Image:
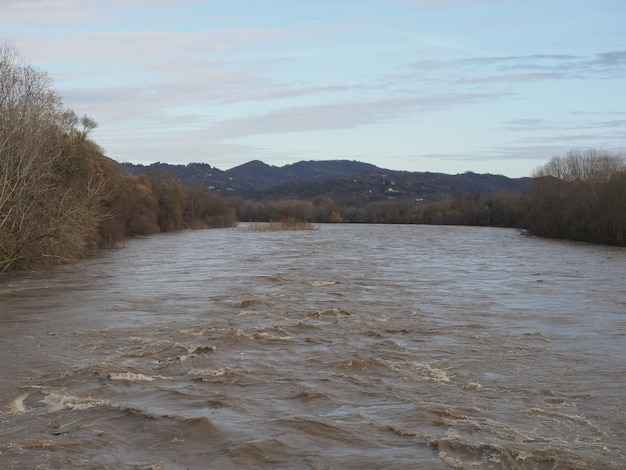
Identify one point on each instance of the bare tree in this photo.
(580, 197)
(41, 216)
(583, 165)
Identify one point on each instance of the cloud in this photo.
(525, 125)
(196, 80)
(543, 125)
(585, 133)
(528, 68)
(33, 11)
(70, 12)
(184, 148)
(144, 48)
(514, 78)
(612, 58)
(343, 115)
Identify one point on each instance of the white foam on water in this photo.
(322, 283)
(17, 404)
(472, 386)
(432, 373)
(63, 400)
(195, 348)
(135, 377)
(200, 373)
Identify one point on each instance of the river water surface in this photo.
(346, 347)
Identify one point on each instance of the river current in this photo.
(345, 347)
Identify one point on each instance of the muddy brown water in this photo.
(346, 347)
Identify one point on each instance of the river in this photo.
(345, 347)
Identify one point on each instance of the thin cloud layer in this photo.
(479, 85)
(344, 115)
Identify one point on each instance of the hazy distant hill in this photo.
(349, 182)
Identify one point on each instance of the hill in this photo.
(348, 182)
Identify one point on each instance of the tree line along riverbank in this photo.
(61, 197)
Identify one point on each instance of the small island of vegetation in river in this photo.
(61, 197)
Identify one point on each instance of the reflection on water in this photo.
(345, 347)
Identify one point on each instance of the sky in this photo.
(489, 86)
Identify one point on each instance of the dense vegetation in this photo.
(581, 197)
(61, 197)
(502, 210)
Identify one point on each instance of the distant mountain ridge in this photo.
(348, 182)
(257, 175)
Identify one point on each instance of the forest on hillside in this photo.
(580, 196)
(61, 197)
(349, 182)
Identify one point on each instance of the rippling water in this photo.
(347, 347)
